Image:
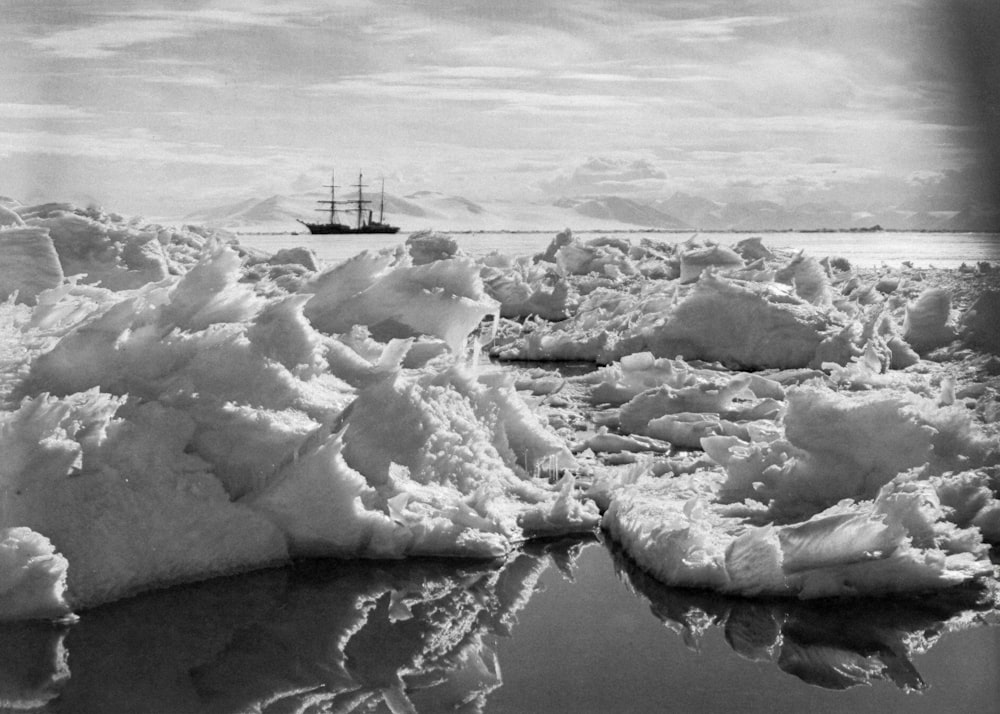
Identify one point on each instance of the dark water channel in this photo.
(560, 627)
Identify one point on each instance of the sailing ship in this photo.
(365, 222)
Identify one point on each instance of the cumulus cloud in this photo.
(607, 175)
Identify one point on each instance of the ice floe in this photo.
(762, 423)
(205, 423)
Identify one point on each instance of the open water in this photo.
(566, 626)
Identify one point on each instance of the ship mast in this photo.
(361, 202)
(332, 201)
(381, 206)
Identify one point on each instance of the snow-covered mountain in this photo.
(281, 213)
(623, 210)
(250, 212)
(679, 212)
(418, 211)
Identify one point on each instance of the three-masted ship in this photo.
(364, 223)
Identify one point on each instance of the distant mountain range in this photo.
(416, 211)
(680, 212)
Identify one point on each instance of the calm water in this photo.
(942, 250)
(560, 627)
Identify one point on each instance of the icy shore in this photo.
(176, 406)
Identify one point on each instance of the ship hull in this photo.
(341, 229)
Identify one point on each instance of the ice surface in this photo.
(103, 250)
(899, 542)
(786, 446)
(397, 299)
(119, 498)
(203, 423)
(813, 485)
(847, 446)
(188, 408)
(697, 260)
(30, 264)
(8, 217)
(700, 314)
(742, 325)
(525, 288)
(829, 643)
(927, 320)
(426, 247)
(981, 322)
(33, 576)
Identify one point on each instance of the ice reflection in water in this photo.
(413, 636)
(337, 636)
(33, 664)
(830, 643)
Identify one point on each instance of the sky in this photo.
(159, 108)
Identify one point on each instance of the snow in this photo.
(747, 323)
(525, 288)
(397, 299)
(201, 424)
(898, 542)
(34, 576)
(30, 264)
(847, 446)
(926, 324)
(176, 406)
(981, 322)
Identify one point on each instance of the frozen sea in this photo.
(601, 638)
(891, 248)
(566, 626)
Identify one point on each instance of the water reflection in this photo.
(834, 644)
(423, 636)
(330, 636)
(33, 664)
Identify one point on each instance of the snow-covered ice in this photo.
(176, 406)
(201, 424)
(820, 472)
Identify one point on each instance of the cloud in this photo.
(481, 73)
(108, 38)
(476, 96)
(490, 85)
(10, 110)
(134, 146)
(705, 29)
(110, 33)
(595, 77)
(606, 175)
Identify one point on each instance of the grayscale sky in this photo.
(152, 106)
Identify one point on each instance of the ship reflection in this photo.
(832, 643)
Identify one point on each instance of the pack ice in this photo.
(773, 425)
(176, 407)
